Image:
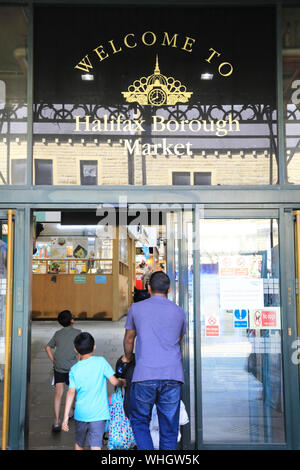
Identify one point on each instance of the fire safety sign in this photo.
(212, 325)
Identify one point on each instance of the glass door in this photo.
(180, 250)
(239, 331)
(6, 286)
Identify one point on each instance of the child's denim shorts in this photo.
(93, 431)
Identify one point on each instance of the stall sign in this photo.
(100, 279)
(79, 279)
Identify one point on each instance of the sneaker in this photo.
(56, 427)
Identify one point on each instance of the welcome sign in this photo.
(149, 95)
(155, 90)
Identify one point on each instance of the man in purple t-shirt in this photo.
(158, 325)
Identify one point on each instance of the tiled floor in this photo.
(233, 407)
(109, 343)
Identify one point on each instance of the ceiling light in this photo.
(75, 227)
(87, 77)
(207, 76)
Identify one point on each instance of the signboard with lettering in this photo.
(267, 318)
(79, 279)
(241, 293)
(212, 325)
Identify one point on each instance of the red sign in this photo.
(268, 318)
(265, 319)
(212, 327)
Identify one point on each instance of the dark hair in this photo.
(159, 282)
(65, 317)
(84, 343)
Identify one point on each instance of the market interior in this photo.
(96, 270)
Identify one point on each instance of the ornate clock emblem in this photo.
(157, 90)
(157, 97)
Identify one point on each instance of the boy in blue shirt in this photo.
(87, 378)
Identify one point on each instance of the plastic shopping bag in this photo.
(120, 434)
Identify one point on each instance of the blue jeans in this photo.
(166, 395)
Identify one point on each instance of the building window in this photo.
(181, 178)
(202, 178)
(88, 172)
(186, 178)
(43, 171)
(18, 171)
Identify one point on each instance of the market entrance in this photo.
(96, 264)
(224, 267)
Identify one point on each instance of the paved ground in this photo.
(109, 339)
(233, 407)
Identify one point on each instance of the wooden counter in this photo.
(90, 300)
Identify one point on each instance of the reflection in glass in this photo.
(291, 91)
(13, 94)
(221, 131)
(3, 267)
(190, 274)
(242, 386)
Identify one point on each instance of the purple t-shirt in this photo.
(159, 324)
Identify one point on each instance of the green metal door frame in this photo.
(22, 317)
(186, 217)
(21, 329)
(19, 349)
(289, 323)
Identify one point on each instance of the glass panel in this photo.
(291, 91)
(3, 266)
(242, 385)
(13, 93)
(140, 102)
(188, 229)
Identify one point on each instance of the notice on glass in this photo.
(212, 325)
(245, 293)
(240, 266)
(267, 318)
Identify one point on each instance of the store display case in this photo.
(71, 266)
